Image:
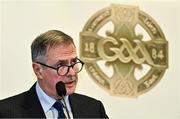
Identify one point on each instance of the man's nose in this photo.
(71, 71)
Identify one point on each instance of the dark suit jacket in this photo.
(27, 105)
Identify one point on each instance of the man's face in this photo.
(57, 56)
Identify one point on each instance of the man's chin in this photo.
(70, 90)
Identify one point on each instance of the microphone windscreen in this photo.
(60, 88)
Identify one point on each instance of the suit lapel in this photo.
(76, 106)
(32, 106)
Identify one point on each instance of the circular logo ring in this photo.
(114, 59)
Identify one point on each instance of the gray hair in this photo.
(47, 40)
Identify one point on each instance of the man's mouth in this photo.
(70, 83)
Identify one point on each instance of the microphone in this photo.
(60, 88)
(61, 91)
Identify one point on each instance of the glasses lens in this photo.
(63, 70)
(77, 67)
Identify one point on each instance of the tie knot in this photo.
(58, 105)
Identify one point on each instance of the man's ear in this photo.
(37, 70)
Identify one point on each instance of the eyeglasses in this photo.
(64, 69)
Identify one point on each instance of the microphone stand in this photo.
(65, 107)
(61, 91)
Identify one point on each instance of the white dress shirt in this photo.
(47, 104)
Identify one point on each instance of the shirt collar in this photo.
(45, 100)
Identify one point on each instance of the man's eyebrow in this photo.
(65, 61)
(60, 62)
(74, 59)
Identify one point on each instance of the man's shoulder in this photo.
(84, 98)
(19, 98)
(14, 99)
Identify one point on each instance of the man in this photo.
(54, 59)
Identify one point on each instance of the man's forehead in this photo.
(62, 54)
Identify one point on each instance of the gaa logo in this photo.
(124, 49)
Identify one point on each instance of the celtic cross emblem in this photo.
(114, 59)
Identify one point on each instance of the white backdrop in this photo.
(21, 21)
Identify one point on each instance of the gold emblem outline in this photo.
(96, 22)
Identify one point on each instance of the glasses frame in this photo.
(69, 66)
